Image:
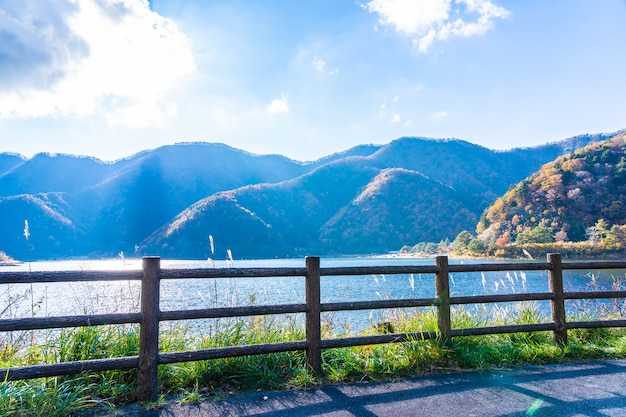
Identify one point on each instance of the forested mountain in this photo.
(478, 174)
(264, 220)
(371, 198)
(53, 173)
(8, 161)
(53, 234)
(397, 206)
(565, 199)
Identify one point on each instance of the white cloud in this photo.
(278, 105)
(409, 16)
(121, 60)
(387, 110)
(427, 21)
(440, 115)
(320, 67)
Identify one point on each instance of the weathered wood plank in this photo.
(442, 287)
(230, 352)
(513, 328)
(149, 331)
(579, 295)
(595, 324)
(231, 273)
(555, 284)
(67, 276)
(493, 267)
(377, 304)
(313, 316)
(594, 265)
(378, 270)
(38, 323)
(377, 339)
(501, 298)
(69, 368)
(221, 312)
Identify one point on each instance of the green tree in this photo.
(540, 234)
(615, 237)
(602, 229)
(461, 241)
(476, 246)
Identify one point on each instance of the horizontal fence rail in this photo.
(150, 315)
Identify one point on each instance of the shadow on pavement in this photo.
(595, 389)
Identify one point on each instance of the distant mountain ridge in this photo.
(166, 201)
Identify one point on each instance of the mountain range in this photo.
(168, 201)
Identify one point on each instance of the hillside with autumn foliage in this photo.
(578, 198)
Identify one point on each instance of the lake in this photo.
(52, 299)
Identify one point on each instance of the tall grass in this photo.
(193, 381)
(60, 396)
(50, 397)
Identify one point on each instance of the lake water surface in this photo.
(52, 299)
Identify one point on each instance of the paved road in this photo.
(595, 389)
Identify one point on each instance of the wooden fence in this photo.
(151, 315)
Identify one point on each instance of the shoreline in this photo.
(565, 256)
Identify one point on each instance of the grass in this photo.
(195, 381)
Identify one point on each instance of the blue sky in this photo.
(306, 78)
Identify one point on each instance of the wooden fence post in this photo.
(149, 330)
(555, 280)
(313, 319)
(442, 285)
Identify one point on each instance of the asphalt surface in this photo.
(595, 389)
